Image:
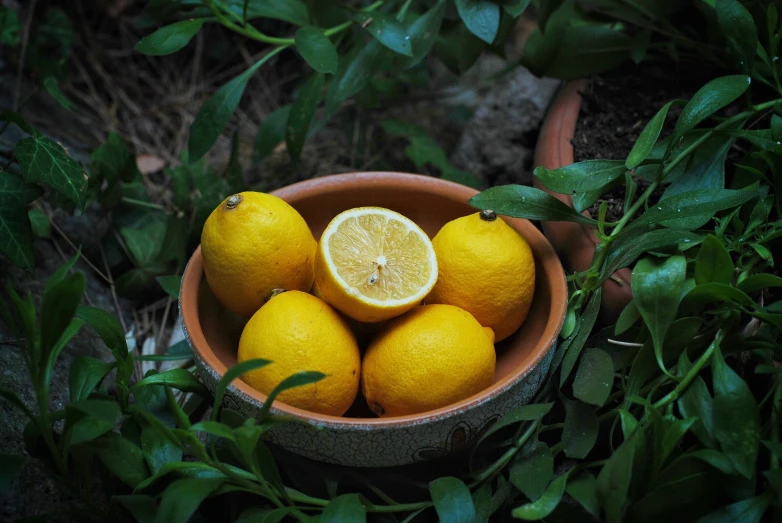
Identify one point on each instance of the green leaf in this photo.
(230, 375)
(736, 420)
(59, 305)
(358, 73)
(215, 429)
(515, 7)
(386, 30)
(16, 193)
(648, 137)
(716, 459)
(580, 431)
(627, 318)
(696, 402)
(582, 176)
(583, 488)
(693, 203)
(594, 377)
(293, 11)
(657, 288)
(452, 500)
(10, 465)
(714, 292)
(316, 48)
(254, 515)
(574, 350)
(346, 508)
(45, 161)
(9, 26)
(52, 87)
(746, 511)
(146, 242)
(98, 417)
(170, 284)
(141, 506)
(481, 17)
(533, 470)
(14, 400)
(524, 413)
(756, 282)
(39, 223)
(183, 497)
(738, 27)
(545, 504)
(122, 458)
(296, 380)
(520, 201)
(108, 328)
(271, 133)
(157, 449)
(481, 499)
(180, 379)
(85, 374)
(423, 33)
(640, 45)
(613, 482)
(16, 235)
(713, 263)
(301, 114)
(114, 160)
(170, 38)
(214, 115)
(709, 99)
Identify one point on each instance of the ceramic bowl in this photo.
(359, 438)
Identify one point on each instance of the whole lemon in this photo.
(487, 269)
(253, 243)
(428, 358)
(299, 332)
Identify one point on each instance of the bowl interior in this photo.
(430, 203)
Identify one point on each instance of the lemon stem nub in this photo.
(377, 409)
(488, 215)
(277, 291)
(233, 201)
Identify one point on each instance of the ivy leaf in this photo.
(657, 288)
(39, 223)
(713, 263)
(423, 33)
(183, 497)
(594, 377)
(452, 500)
(582, 176)
(736, 420)
(648, 137)
(317, 49)
(52, 87)
(386, 30)
(171, 38)
(45, 161)
(481, 17)
(170, 284)
(271, 132)
(533, 470)
(545, 504)
(16, 235)
(580, 431)
(739, 30)
(301, 114)
(346, 508)
(520, 201)
(85, 374)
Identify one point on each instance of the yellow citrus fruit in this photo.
(487, 269)
(253, 243)
(299, 332)
(431, 357)
(364, 332)
(373, 264)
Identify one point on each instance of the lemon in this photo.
(253, 243)
(373, 264)
(299, 332)
(487, 269)
(431, 357)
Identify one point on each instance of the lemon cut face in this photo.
(374, 263)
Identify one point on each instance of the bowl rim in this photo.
(194, 271)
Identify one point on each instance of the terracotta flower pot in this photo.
(574, 241)
(360, 439)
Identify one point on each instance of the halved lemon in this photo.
(373, 264)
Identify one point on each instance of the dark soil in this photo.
(616, 107)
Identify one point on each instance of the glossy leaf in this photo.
(582, 176)
(520, 201)
(170, 38)
(158, 450)
(738, 27)
(696, 402)
(296, 380)
(301, 113)
(581, 429)
(346, 508)
(386, 30)
(693, 203)
(85, 374)
(122, 458)
(588, 320)
(423, 32)
(713, 263)
(230, 375)
(183, 497)
(317, 49)
(627, 318)
(613, 482)
(533, 470)
(648, 137)
(745, 511)
(715, 292)
(179, 379)
(452, 500)
(673, 434)
(594, 377)
(215, 429)
(481, 17)
(756, 282)
(545, 504)
(45, 161)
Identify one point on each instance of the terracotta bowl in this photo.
(575, 241)
(360, 439)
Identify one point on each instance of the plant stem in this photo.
(691, 375)
(142, 203)
(498, 465)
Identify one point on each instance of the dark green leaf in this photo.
(736, 420)
(183, 497)
(61, 272)
(157, 449)
(86, 373)
(594, 377)
(738, 27)
(657, 288)
(481, 499)
(170, 284)
(301, 114)
(762, 138)
(10, 465)
(640, 45)
(254, 515)
(580, 431)
(186, 469)
(515, 7)
(613, 482)
(673, 434)
(520, 201)
(648, 137)
(98, 416)
(114, 160)
(108, 328)
(756, 282)
(583, 488)
(709, 99)
(533, 470)
(39, 223)
(122, 458)
(52, 87)
(696, 402)
(545, 504)
(214, 428)
(9, 26)
(716, 459)
(14, 400)
(481, 17)
(363, 67)
(16, 193)
(386, 30)
(423, 32)
(293, 11)
(171, 38)
(179, 379)
(347, 508)
(523, 413)
(452, 500)
(145, 243)
(746, 511)
(317, 49)
(713, 263)
(627, 318)
(59, 306)
(45, 161)
(714, 292)
(141, 506)
(16, 235)
(574, 350)
(271, 132)
(582, 176)
(693, 203)
(296, 380)
(230, 375)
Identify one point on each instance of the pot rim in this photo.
(193, 277)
